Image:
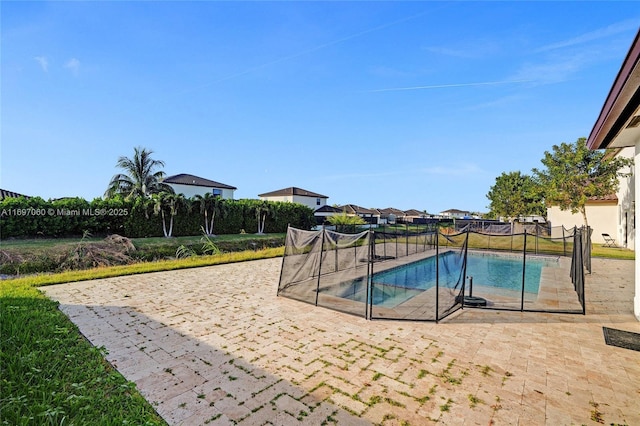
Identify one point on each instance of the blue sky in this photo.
(381, 104)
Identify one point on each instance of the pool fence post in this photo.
(384, 236)
(395, 236)
(524, 268)
(406, 239)
(368, 299)
(284, 255)
(464, 269)
(437, 271)
(320, 265)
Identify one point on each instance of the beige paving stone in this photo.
(207, 325)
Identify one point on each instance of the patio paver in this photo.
(216, 346)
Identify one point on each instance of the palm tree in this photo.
(263, 209)
(164, 202)
(344, 222)
(140, 177)
(210, 204)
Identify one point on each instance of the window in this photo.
(317, 201)
(217, 192)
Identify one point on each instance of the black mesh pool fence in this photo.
(423, 273)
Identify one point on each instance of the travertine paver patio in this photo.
(216, 346)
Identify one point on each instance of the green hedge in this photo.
(35, 217)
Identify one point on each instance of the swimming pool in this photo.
(499, 272)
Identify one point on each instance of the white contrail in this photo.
(443, 86)
(307, 51)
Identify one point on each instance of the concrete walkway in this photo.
(216, 346)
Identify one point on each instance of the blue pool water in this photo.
(397, 285)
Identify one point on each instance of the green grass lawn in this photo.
(51, 375)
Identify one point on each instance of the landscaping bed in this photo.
(19, 257)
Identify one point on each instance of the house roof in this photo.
(413, 212)
(618, 124)
(391, 210)
(186, 179)
(329, 209)
(10, 194)
(353, 209)
(292, 190)
(613, 198)
(455, 211)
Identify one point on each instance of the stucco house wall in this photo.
(294, 194)
(311, 202)
(190, 191)
(626, 231)
(601, 219)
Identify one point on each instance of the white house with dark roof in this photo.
(369, 215)
(618, 126)
(455, 213)
(296, 195)
(391, 215)
(191, 185)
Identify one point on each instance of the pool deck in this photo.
(216, 346)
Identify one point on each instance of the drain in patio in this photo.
(621, 338)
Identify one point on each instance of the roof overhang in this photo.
(618, 124)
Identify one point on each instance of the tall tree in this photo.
(515, 195)
(262, 210)
(210, 207)
(574, 174)
(165, 203)
(140, 177)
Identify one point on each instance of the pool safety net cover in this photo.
(427, 273)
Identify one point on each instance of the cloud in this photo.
(445, 86)
(310, 50)
(467, 49)
(505, 100)
(44, 64)
(352, 176)
(458, 170)
(554, 70)
(74, 65)
(608, 31)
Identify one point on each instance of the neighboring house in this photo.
(618, 126)
(391, 215)
(296, 195)
(611, 215)
(191, 185)
(531, 219)
(371, 216)
(455, 214)
(10, 194)
(323, 214)
(411, 215)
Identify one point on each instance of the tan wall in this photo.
(626, 197)
(190, 191)
(602, 219)
(307, 201)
